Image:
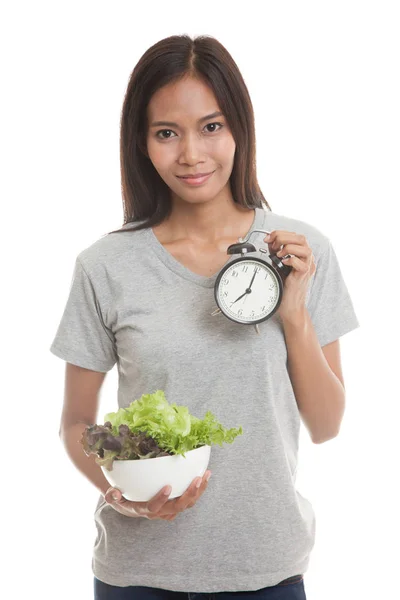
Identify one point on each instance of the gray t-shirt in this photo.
(131, 303)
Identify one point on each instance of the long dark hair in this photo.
(146, 197)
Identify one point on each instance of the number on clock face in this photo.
(252, 306)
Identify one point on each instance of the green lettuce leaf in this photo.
(151, 427)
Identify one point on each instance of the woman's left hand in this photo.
(303, 263)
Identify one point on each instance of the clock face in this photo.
(259, 303)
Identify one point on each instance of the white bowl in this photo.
(140, 480)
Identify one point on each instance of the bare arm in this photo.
(319, 391)
(81, 399)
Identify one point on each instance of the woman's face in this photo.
(191, 145)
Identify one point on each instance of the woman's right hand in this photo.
(158, 507)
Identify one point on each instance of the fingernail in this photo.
(115, 497)
(208, 476)
(167, 491)
(268, 236)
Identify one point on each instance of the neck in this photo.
(207, 222)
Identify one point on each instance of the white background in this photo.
(324, 82)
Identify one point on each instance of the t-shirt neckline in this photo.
(178, 268)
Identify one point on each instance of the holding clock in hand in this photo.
(270, 291)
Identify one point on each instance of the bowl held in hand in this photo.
(141, 480)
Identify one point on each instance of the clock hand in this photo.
(248, 290)
(252, 279)
(251, 282)
(240, 297)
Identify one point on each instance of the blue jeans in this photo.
(288, 589)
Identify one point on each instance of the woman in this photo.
(142, 297)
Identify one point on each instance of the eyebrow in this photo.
(170, 124)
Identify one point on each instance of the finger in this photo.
(157, 502)
(278, 238)
(297, 264)
(112, 495)
(191, 496)
(117, 496)
(179, 504)
(202, 489)
(283, 237)
(301, 251)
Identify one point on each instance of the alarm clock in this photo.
(249, 290)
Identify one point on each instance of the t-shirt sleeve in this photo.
(82, 337)
(330, 306)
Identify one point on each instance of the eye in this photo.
(162, 131)
(170, 130)
(220, 124)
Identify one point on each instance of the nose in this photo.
(191, 148)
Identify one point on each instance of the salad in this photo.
(150, 428)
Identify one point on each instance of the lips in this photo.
(197, 176)
(195, 181)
